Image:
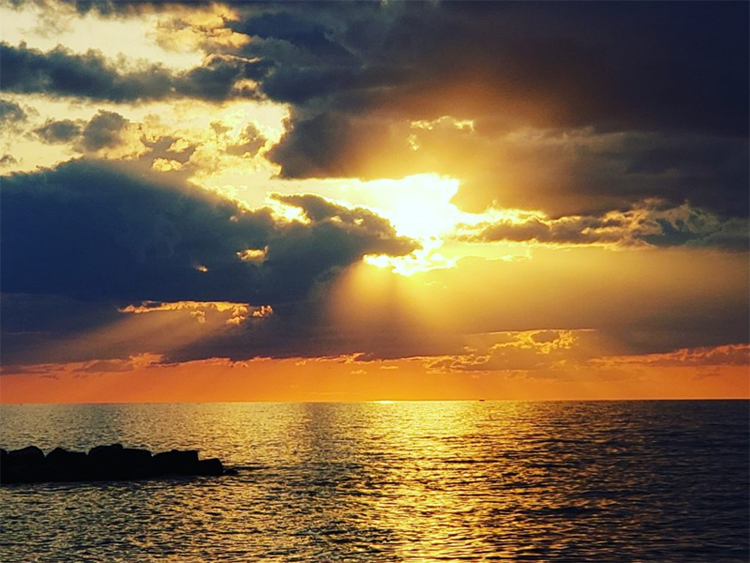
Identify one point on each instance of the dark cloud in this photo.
(11, 112)
(61, 72)
(58, 131)
(582, 172)
(649, 224)
(129, 7)
(8, 160)
(554, 64)
(334, 145)
(304, 33)
(718, 325)
(544, 65)
(87, 238)
(679, 93)
(306, 329)
(90, 230)
(35, 321)
(13, 123)
(103, 131)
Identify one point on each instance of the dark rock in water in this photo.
(176, 462)
(26, 463)
(136, 463)
(211, 466)
(61, 456)
(105, 453)
(29, 454)
(103, 463)
(67, 465)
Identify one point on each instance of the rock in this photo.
(136, 464)
(26, 464)
(112, 462)
(106, 463)
(66, 465)
(211, 466)
(29, 454)
(176, 462)
(61, 456)
(106, 453)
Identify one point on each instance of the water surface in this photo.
(421, 481)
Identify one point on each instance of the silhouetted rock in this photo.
(136, 464)
(176, 462)
(29, 454)
(211, 466)
(112, 462)
(26, 464)
(106, 462)
(67, 465)
(105, 453)
(61, 456)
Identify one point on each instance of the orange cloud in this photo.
(239, 312)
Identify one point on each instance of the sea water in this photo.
(412, 481)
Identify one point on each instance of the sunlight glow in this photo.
(419, 206)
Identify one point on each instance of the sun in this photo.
(418, 206)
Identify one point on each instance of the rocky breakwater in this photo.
(102, 463)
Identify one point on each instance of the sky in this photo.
(347, 201)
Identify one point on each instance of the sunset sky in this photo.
(373, 201)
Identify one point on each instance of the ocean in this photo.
(406, 481)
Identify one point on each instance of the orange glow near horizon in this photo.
(346, 380)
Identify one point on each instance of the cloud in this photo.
(91, 230)
(13, 122)
(107, 133)
(615, 123)
(237, 313)
(189, 27)
(251, 142)
(108, 8)
(334, 145)
(118, 365)
(11, 112)
(8, 160)
(62, 73)
(706, 356)
(651, 223)
(557, 171)
(521, 351)
(103, 131)
(579, 355)
(546, 66)
(548, 108)
(59, 131)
